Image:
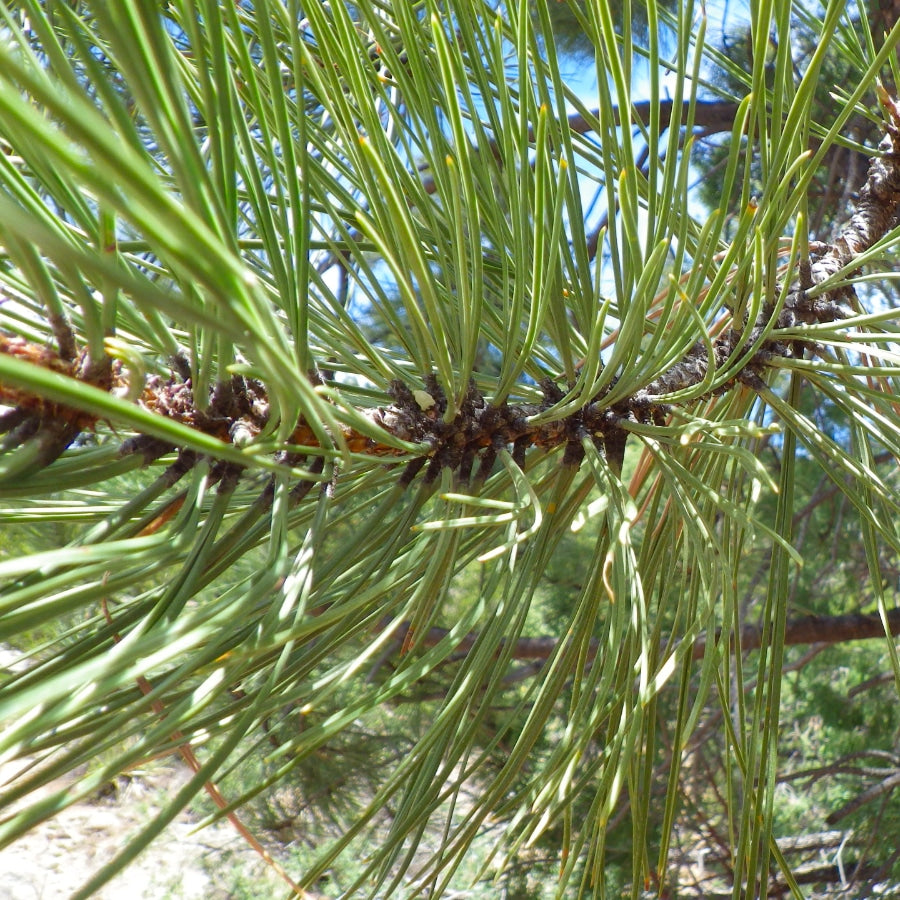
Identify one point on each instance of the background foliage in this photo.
(408, 440)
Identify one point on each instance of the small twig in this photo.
(869, 683)
(877, 790)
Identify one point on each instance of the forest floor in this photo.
(60, 855)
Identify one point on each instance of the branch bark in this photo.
(802, 630)
(710, 116)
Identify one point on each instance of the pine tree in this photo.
(324, 326)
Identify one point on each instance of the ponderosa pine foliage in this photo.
(324, 325)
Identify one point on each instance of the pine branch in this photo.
(238, 411)
(710, 116)
(802, 630)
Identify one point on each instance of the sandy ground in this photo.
(59, 856)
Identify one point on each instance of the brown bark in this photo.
(710, 116)
(803, 630)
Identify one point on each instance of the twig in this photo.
(877, 790)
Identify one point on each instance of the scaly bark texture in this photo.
(239, 410)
